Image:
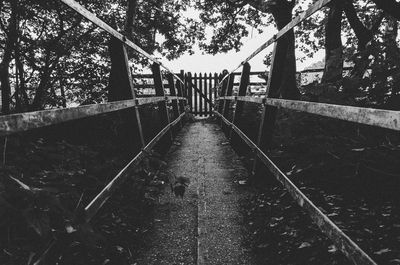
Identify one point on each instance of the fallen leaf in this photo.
(358, 149)
(332, 249)
(382, 251)
(304, 245)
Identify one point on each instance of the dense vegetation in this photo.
(51, 56)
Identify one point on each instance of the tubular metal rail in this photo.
(375, 117)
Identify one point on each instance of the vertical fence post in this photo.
(162, 106)
(205, 94)
(210, 93)
(190, 90)
(184, 85)
(172, 92)
(223, 91)
(228, 92)
(244, 82)
(180, 92)
(137, 113)
(216, 81)
(195, 92)
(200, 87)
(269, 112)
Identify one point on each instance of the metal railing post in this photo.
(162, 106)
(244, 82)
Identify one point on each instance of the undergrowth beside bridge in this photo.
(351, 172)
(48, 176)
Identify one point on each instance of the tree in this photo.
(11, 37)
(333, 44)
(229, 18)
(366, 48)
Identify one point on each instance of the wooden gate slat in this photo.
(200, 86)
(196, 111)
(190, 90)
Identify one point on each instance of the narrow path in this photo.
(206, 226)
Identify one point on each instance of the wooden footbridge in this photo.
(209, 95)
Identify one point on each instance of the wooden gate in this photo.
(201, 92)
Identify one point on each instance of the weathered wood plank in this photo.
(222, 93)
(244, 83)
(175, 103)
(15, 123)
(180, 92)
(216, 81)
(267, 121)
(205, 79)
(196, 90)
(101, 24)
(190, 90)
(200, 86)
(389, 119)
(228, 93)
(133, 93)
(311, 10)
(159, 86)
(210, 93)
(376, 117)
(339, 238)
(172, 92)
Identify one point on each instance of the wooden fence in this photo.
(375, 117)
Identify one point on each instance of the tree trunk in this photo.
(41, 90)
(363, 34)
(333, 45)
(5, 64)
(362, 59)
(130, 18)
(282, 14)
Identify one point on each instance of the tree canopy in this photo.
(50, 56)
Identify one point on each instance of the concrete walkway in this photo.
(206, 226)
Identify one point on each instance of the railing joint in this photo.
(264, 101)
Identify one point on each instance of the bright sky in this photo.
(216, 63)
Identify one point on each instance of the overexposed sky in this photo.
(200, 62)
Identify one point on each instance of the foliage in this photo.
(43, 194)
(63, 59)
(58, 58)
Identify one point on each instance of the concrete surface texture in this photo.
(206, 226)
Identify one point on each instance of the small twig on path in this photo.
(79, 202)
(332, 154)
(4, 151)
